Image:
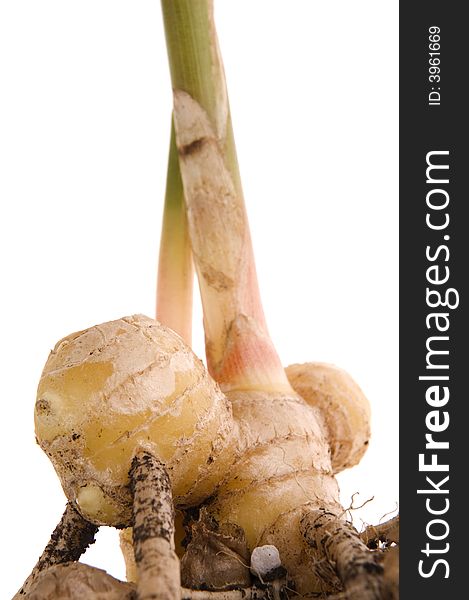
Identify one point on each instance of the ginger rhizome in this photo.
(244, 450)
(133, 384)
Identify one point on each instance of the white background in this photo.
(84, 126)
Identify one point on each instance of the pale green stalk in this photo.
(175, 270)
(239, 351)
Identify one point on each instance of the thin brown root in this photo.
(289, 590)
(389, 512)
(236, 558)
(348, 511)
(357, 567)
(153, 530)
(352, 507)
(70, 539)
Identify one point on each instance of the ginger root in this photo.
(250, 458)
(256, 458)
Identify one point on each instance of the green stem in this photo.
(175, 270)
(196, 67)
(189, 34)
(239, 351)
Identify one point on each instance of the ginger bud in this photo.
(344, 407)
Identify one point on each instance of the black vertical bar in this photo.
(433, 117)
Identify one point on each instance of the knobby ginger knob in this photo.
(126, 385)
(345, 409)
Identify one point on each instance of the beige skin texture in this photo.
(259, 456)
(126, 385)
(342, 403)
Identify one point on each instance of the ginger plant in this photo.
(136, 426)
